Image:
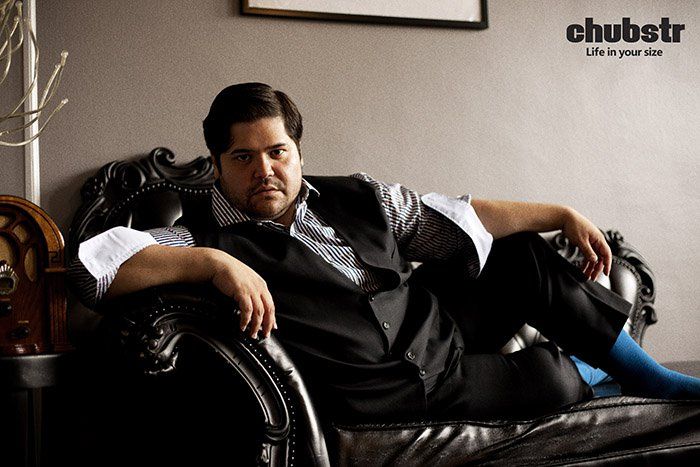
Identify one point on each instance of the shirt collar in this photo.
(226, 214)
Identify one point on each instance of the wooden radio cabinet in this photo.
(32, 281)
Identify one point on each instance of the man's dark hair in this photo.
(247, 102)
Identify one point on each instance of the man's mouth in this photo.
(266, 189)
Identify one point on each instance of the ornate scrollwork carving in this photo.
(565, 248)
(119, 184)
(644, 313)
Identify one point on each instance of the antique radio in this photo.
(32, 280)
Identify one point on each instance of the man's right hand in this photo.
(235, 279)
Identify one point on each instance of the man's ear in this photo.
(301, 157)
(217, 172)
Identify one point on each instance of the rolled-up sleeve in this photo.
(462, 213)
(434, 226)
(94, 268)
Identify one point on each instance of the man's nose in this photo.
(263, 167)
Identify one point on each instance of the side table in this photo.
(23, 380)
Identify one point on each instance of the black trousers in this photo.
(523, 281)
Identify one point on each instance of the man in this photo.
(326, 262)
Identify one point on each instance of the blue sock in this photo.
(589, 374)
(639, 374)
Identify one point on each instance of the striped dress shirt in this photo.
(431, 227)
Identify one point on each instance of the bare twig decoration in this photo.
(12, 39)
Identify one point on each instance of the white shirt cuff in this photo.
(104, 253)
(461, 212)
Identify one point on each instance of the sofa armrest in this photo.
(151, 324)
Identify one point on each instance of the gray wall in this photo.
(12, 158)
(511, 112)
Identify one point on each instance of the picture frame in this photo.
(471, 14)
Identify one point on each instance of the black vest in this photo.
(364, 356)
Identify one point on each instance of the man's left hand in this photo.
(590, 240)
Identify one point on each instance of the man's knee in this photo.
(520, 243)
(519, 258)
(563, 382)
(527, 253)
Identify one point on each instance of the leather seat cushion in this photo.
(610, 430)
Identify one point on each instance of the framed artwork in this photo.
(443, 13)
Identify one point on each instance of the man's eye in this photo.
(277, 152)
(242, 157)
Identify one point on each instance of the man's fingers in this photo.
(269, 319)
(257, 319)
(598, 269)
(607, 261)
(239, 281)
(246, 307)
(588, 253)
(604, 252)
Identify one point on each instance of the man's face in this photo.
(260, 172)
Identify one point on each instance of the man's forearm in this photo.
(159, 264)
(502, 218)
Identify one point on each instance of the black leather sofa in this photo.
(164, 375)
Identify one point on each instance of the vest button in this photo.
(386, 325)
(421, 372)
(371, 297)
(410, 355)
